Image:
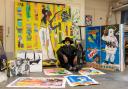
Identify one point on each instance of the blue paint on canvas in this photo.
(96, 47)
(110, 44)
(92, 43)
(80, 79)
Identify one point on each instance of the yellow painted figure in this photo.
(32, 19)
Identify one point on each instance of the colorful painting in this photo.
(80, 80)
(90, 71)
(103, 47)
(93, 44)
(38, 82)
(88, 20)
(110, 44)
(75, 18)
(35, 16)
(41, 26)
(47, 49)
(56, 71)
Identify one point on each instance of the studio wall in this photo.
(8, 7)
(98, 9)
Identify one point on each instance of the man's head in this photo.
(67, 41)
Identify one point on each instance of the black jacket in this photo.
(69, 51)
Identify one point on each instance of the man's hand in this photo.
(65, 58)
(75, 60)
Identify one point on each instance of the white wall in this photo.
(98, 9)
(2, 12)
(2, 16)
(7, 20)
(115, 18)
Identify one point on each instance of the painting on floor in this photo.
(79, 80)
(38, 82)
(90, 71)
(56, 71)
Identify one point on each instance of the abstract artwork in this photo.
(88, 20)
(38, 82)
(56, 71)
(80, 80)
(90, 71)
(103, 47)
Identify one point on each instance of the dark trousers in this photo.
(68, 64)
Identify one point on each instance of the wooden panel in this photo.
(1, 33)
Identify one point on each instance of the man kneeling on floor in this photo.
(68, 55)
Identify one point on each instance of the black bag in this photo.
(3, 58)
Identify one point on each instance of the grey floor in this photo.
(111, 80)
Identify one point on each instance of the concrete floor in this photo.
(111, 80)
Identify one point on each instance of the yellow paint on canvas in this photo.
(35, 24)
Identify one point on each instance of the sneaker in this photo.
(70, 68)
(77, 68)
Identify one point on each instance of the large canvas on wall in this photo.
(30, 17)
(106, 42)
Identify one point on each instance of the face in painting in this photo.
(111, 32)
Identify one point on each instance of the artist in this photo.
(67, 55)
